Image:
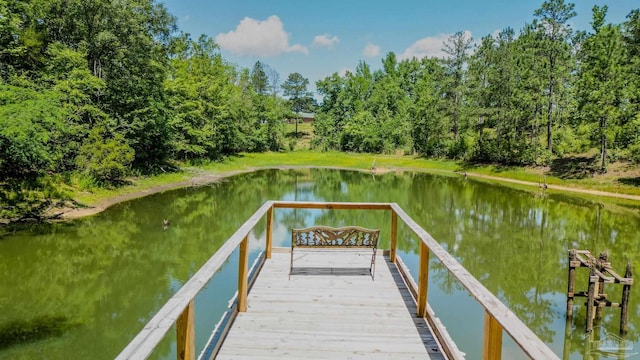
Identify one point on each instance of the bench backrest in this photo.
(330, 237)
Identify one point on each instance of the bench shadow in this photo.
(339, 271)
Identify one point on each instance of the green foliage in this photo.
(105, 157)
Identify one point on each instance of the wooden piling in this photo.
(600, 273)
(602, 267)
(571, 282)
(591, 297)
(624, 304)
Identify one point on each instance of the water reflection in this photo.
(108, 274)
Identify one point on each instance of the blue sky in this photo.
(318, 38)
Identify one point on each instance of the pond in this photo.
(83, 289)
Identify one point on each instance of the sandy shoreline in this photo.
(208, 178)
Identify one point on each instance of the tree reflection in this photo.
(110, 273)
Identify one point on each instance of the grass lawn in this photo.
(567, 172)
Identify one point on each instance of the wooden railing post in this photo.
(185, 334)
(423, 280)
(492, 343)
(394, 237)
(243, 272)
(267, 251)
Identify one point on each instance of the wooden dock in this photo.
(330, 308)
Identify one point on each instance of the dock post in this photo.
(243, 272)
(394, 237)
(423, 280)
(602, 267)
(591, 298)
(624, 304)
(267, 250)
(185, 334)
(571, 283)
(492, 342)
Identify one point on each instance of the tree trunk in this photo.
(550, 107)
(455, 118)
(603, 145)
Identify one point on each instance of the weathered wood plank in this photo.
(328, 316)
(269, 240)
(331, 205)
(394, 237)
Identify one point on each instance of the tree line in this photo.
(512, 98)
(93, 91)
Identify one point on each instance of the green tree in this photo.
(105, 157)
(602, 79)
(259, 79)
(555, 32)
(295, 87)
(457, 48)
(204, 101)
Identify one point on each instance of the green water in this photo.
(83, 289)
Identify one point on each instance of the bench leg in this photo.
(291, 264)
(372, 269)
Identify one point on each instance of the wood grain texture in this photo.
(243, 272)
(185, 335)
(492, 341)
(329, 316)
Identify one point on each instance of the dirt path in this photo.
(558, 187)
(209, 177)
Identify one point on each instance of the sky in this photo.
(318, 38)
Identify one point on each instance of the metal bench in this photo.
(326, 237)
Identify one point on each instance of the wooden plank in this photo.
(243, 272)
(185, 334)
(530, 344)
(394, 237)
(328, 316)
(439, 330)
(154, 331)
(492, 342)
(269, 233)
(331, 205)
(423, 280)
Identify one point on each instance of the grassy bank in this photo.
(190, 175)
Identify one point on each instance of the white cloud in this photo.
(430, 46)
(426, 47)
(371, 50)
(258, 38)
(325, 40)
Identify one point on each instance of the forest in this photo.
(519, 98)
(92, 92)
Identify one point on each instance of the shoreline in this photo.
(213, 177)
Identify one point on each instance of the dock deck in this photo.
(330, 308)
